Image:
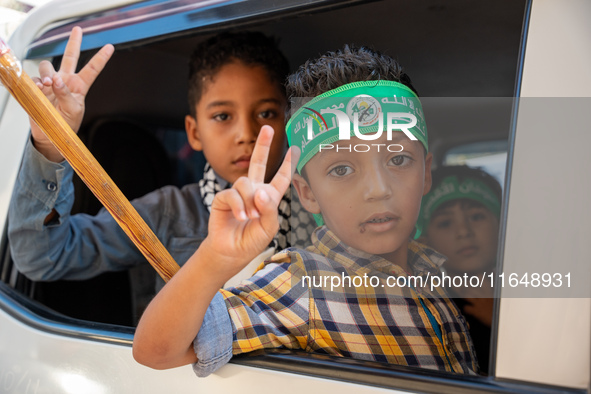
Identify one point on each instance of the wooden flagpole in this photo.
(67, 142)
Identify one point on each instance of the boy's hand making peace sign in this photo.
(242, 223)
(67, 89)
(244, 218)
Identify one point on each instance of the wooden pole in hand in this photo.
(30, 97)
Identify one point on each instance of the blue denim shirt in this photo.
(213, 344)
(82, 246)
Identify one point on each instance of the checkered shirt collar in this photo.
(420, 259)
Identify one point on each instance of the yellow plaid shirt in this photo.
(288, 304)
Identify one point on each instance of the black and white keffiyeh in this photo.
(293, 218)
(210, 185)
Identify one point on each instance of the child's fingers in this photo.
(230, 198)
(64, 96)
(246, 190)
(46, 73)
(45, 79)
(37, 82)
(265, 203)
(94, 67)
(282, 178)
(268, 209)
(260, 154)
(72, 52)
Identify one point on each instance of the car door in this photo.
(485, 58)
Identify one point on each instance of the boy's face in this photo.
(236, 102)
(466, 232)
(370, 200)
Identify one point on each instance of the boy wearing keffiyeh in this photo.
(360, 149)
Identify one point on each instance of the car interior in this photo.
(462, 56)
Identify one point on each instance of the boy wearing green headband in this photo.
(460, 219)
(364, 167)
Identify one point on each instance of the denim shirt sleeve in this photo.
(71, 247)
(213, 344)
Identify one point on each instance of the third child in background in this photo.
(460, 219)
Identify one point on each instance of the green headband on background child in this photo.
(451, 188)
(351, 110)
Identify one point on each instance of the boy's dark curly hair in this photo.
(350, 64)
(250, 48)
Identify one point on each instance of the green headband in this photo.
(355, 109)
(451, 189)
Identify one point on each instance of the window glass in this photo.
(491, 156)
(446, 47)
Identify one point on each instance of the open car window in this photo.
(459, 54)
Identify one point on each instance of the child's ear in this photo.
(305, 194)
(428, 181)
(193, 133)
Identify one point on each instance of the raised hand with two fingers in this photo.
(244, 219)
(66, 89)
(242, 223)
